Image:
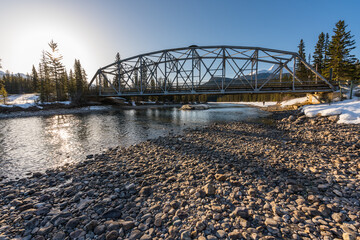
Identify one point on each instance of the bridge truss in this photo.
(208, 70)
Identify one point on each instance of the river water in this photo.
(34, 144)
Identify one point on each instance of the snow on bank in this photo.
(256, 104)
(294, 101)
(18, 99)
(27, 101)
(21, 100)
(348, 111)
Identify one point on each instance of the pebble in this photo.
(227, 181)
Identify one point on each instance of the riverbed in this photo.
(297, 178)
(37, 143)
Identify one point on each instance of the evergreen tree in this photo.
(46, 84)
(3, 93)
(64, 85)
(80, 80)
(326, 49)
(319, 53)
(56, 69)
(35, 79)
(72, 85)
(340, 58)
(117, 75)
(301, 71)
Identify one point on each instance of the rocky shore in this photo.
(294, 178)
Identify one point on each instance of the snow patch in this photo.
(294, 101)
(256, 104)
(348, 111)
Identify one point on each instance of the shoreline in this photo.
(297, 177)
(91, 108)
(76, 110)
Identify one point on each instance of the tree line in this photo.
(332, 56)
(51, 79)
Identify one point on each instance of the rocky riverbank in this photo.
(295, 178)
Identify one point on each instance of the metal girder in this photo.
(207, 70)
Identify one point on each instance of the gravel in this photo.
(292, 178)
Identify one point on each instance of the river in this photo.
(34, 144)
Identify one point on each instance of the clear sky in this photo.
(94, 30)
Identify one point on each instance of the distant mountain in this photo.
(2, 74)
(262, 76)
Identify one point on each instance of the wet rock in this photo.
(221, 234)
(220, 177)
(145, 191)
(241, 212)
(98, 230)
(200, 226)
(112, 214)
(72, 223)
(127, 225)
(185, 235)
(91, 225)
(135, 234)
(113, 235)
(271, 222)
(59, 236)
(236, 234)
(209, 189)
(77, 234)
(146, 237)
(349, 236)
(158, 222)
(45, 230)
(338, 217)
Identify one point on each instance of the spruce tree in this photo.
(117, 75)
(319, 53)
(301, 71)
(56, 69)
(35, 79)
(3, 92)
(46, 84)
(340, 58)
(80, 81)
(326, 49)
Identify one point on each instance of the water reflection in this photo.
(37, 143)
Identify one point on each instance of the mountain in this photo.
(2, 74)
(270, 70)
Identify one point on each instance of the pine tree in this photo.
(326, 49)
(340, 58)
(35, 79)
(72, 85)
(319, 53)
(301, 71)
(80, 81)
(46, 84)
(64, 85)
(56, 69)
(116, 79)
(3, 92)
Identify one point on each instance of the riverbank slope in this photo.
(294, 178)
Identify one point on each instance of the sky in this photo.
(93, 31)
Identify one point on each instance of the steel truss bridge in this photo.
(208, 70)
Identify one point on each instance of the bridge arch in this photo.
(208, 70)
